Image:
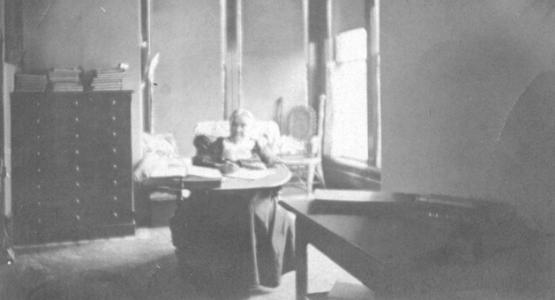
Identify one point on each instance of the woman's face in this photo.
(239, 127)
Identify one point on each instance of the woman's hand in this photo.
(229, 167)
(252, 164)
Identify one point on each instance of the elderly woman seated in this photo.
(238, 150)
(242, 238)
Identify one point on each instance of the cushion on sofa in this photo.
(160, 157)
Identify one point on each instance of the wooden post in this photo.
(145, 57)
(373, 81)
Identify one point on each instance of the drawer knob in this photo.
(114, 150)
(38, 153)
(77, 184)
(114, 118)
(37, 121)
(115, 182)
(76, 119)
(38, 186)
(114, 133)
(77, 151)
(77, 217)
(77, 135)
(77, 200)
(115, 198)
(76, 103)
(113, 101)
(39, 220)
(115, 214)
(115, 166)
(39, 170)
(77, 168)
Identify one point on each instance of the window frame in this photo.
(371, 168)
(340, 61)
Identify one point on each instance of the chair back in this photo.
(301, 122)
(305, 124)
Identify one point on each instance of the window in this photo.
(353, 85)
(349, 94)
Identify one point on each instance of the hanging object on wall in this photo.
(151, 67)
(147, 87)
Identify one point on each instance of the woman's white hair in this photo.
(241, 112)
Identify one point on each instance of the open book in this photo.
(249, 174)
(205, 172)
(182, 170)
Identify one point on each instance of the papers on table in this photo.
(169, 171)
(248, 174)
(183, 170)
(204, 172)
(208, 173)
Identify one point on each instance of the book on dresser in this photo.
(71, 166)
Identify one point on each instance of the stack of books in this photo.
(108, 79)
(30, 82)
(65, 80)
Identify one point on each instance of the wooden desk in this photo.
(236, 231)
(395, 243)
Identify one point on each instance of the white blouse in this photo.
(237, 151)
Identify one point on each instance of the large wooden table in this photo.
(398, 243)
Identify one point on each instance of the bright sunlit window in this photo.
(350, 101)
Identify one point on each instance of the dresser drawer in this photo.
(71, 165)
(109, 213)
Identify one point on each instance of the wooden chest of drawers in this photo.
(71, 165)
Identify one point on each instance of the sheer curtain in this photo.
(349, 94)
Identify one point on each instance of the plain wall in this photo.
(189, 77)
(188, 36)
(274, 59)
(452, 72)
(88, 34)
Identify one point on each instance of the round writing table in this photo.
(235, 234)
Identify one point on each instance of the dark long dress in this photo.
(242, 237)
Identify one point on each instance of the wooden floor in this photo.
(137, 267)
(143, 266)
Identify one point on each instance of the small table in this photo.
(393, 243)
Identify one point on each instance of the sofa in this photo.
(155, 203)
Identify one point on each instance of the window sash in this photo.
(350, 119)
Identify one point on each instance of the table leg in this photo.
(301, 260)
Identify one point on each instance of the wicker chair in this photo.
(304, 125)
